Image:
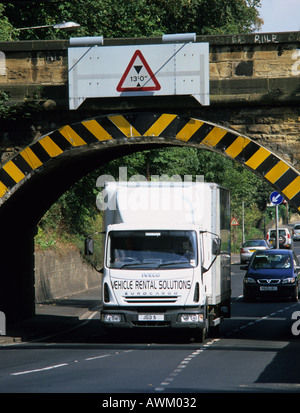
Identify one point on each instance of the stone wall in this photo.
(274, 127)
(271, 61)
(61, 274)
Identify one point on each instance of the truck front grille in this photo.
(151, 299)
(151, 323)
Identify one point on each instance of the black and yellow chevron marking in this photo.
(168, 126)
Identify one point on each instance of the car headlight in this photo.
(249, 280)
(290, 280)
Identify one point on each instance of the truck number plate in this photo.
(268, 288)
(151, 317)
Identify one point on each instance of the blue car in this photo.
(272, 273)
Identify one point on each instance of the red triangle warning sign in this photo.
(138, 77)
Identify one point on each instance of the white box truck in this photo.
(167, 255)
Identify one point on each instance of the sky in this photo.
(280, 15)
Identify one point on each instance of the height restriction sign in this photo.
(171, 69)
(138, 76)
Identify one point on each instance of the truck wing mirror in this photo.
(89, 246)
(89, 249)
(216, 246)
(216, 250)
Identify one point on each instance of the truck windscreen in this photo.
(152, 249)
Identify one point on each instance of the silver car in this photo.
(250, 246)
(296, 232)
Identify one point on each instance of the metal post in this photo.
(277, 229)
(243, 233)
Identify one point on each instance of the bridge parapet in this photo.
(244, 68)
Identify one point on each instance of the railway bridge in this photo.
(58, 122)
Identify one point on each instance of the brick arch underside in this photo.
(112, 132)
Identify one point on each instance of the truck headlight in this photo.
(111, 318)
(191, 318)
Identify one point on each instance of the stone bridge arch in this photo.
(109, 133)
(38, 174)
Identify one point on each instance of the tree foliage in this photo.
(5, 26)
(132, 18)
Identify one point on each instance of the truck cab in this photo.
(147, 269)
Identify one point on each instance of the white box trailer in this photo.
(166, 255)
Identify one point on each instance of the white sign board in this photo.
(141, 70)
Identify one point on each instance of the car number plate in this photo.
(268, 288)
(151, 317)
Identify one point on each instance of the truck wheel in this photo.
(214, 331)
(200, 335)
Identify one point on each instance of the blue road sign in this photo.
(276, 198)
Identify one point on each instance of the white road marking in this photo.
(98, 357)
(182, 365)
(258, 320)
(38, 370)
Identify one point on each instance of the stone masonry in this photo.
(254, 88)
